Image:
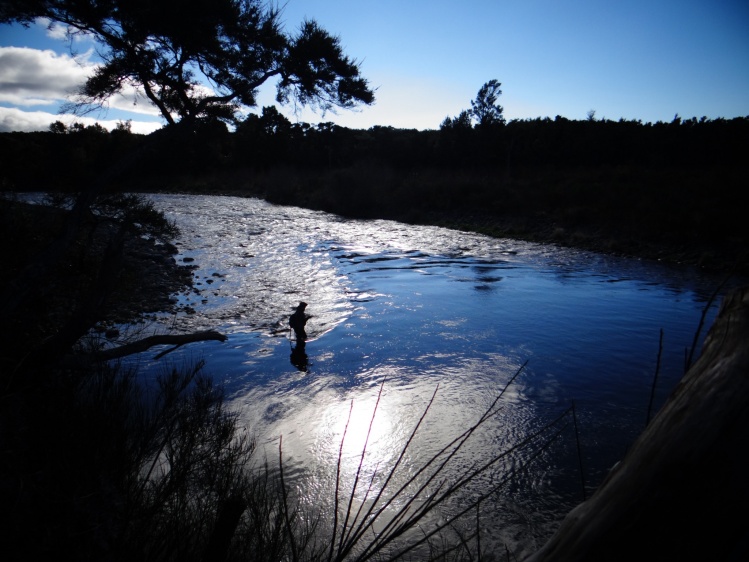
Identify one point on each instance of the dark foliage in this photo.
(59, 285)
(665, 190)
(174, 50)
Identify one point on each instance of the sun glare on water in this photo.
(361, 426)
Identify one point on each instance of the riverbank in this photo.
(687, 468)
(79, 436)
(59, 411)
(599, 232)
(148, 275)
(600, 239)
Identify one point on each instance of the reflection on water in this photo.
(299, 357)
(410, 309)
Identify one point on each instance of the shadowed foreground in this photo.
(95, 467)
(681, 491)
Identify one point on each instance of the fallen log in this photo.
(176, 340)
(681, 491)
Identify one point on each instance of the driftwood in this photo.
(681, 491)
(146, 343)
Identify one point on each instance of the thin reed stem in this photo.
(337, 483)
(399, 525)
(285, 507)
(705, 309)
(366, 522)
(655, 379)
(505, 479)
(579, 450)
(359, 469)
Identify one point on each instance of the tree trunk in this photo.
(682, 490)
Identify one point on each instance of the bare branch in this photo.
(166, 339)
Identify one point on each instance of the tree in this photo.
(485, 109)
(205, 58)
(462, 121)
(58, 127)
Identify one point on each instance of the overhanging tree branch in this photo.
(234, 45)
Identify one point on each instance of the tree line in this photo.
(620, 186)
(62, 158)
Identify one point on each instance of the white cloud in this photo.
(55, 30)
(14, 119)
(133, 100)
(33, 77)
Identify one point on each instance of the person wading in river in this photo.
(298, 320)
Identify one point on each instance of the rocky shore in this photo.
(146, 279)
(150, 278)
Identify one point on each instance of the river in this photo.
(405, 310)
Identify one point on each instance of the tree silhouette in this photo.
(485, 109)
(462, 121)
(205, 58)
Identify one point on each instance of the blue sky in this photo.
(645, 60)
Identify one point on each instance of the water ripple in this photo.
(419, 308)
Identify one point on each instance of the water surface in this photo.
(407, 310)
